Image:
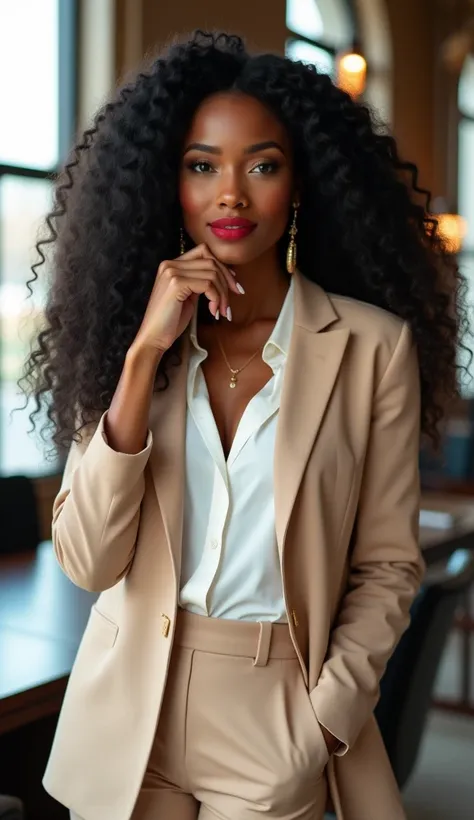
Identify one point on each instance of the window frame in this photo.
(67, 95)
(68, 32)
(463, 116)
(466, 253)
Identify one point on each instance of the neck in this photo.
(265, 286)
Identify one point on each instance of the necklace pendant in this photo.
(233, 381)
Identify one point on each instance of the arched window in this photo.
(317, 30)
(466, 182)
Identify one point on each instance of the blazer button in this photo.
(165, 626)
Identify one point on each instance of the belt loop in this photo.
(263, 646)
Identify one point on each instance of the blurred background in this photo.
(413, 62)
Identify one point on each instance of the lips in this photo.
(232, 228)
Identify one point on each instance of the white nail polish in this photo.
(239, 287)
(229, 314)
(217, 315)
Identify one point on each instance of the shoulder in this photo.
(366, 319)
(378, 336)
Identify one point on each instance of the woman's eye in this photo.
(200, 167)
(265, 168)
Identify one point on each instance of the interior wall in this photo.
(412, 34)
(145, 26)
(424, 92)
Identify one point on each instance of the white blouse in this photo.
(230, 564)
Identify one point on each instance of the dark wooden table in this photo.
(43, 616)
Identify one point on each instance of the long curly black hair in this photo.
(364, 230)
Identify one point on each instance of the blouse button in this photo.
(214, 544)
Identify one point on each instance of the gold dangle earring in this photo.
(291, 253)
(182, 246)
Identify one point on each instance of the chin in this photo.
(235, 254)
(233, 259)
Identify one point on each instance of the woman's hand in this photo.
(178, 285)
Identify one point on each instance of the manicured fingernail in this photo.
(232, 272)
(217, 314)
(239, 287)
(229, 314)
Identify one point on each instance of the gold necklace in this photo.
(233, 378)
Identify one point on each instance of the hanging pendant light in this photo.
(452, 227)
(352, 71)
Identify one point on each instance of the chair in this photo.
(408, 682)
(11, 808)
(19, 522)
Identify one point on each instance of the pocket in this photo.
(104, 629)
(314, 731)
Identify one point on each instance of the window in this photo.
(318, 29)
(466, 187)
(37, 79)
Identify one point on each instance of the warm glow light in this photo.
(452, 228)
(351, 73)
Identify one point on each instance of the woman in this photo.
(242, 486)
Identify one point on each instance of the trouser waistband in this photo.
(260, 640)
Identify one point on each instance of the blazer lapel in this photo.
(313, 363)
(312, 367)
(167, 464)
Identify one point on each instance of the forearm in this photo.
(126, 424)
(97, 511)
(384, 565)
(373, 616)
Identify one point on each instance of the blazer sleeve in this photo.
(97, 510)
(386, 567)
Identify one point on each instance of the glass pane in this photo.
(337, 22)
(23, 204)
(466, 264)
(299, 50)
(29, 51)
(466, 88)
(466, 179)
(328, 21)
(303, 17)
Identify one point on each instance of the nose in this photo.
(232, 199)
(231, 193)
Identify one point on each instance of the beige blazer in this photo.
(347, 500)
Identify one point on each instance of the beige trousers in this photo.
(237, 736)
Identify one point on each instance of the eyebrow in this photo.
(251, 149)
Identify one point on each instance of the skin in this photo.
(230, 178)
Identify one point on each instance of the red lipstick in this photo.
(232, 228)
